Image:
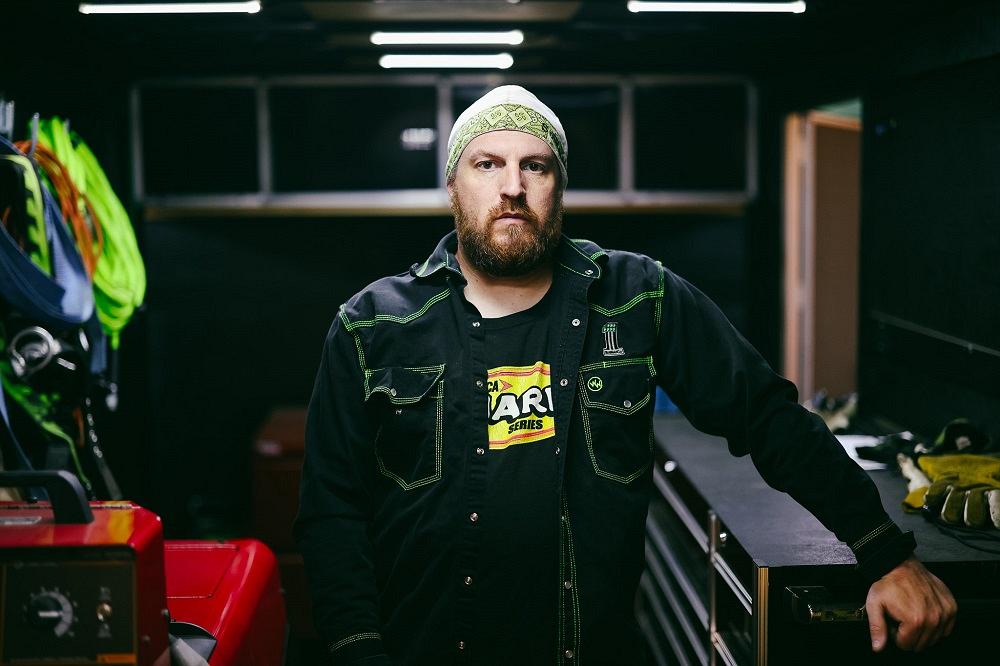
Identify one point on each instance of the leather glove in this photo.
(964, 489)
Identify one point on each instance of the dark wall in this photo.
(930, 243)
(237, 310)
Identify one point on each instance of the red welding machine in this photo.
(96, 584)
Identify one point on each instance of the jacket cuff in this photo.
(359, 649)
(882, 550)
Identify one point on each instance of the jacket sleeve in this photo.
(332, 526)
(725, 388)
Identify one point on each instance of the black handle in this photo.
(811, 604)
(69, 502)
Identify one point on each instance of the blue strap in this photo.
(64, 300)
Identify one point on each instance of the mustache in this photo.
(514, 207)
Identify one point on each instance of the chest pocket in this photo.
(617, 411)
(409, 403)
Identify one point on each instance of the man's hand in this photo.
(916, 599)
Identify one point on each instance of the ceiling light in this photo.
(512, 37)
(495, 61)
(786, 7)
(251, 7)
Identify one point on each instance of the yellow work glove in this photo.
(964, 489)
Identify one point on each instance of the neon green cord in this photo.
(120, 277)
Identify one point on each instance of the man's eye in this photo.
(485, 164)
(534, 167)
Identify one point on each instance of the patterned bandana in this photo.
(507, 108)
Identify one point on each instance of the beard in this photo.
(516, 250)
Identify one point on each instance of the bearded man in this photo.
(479, 440)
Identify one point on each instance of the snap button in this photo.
(392, 391)
(480, 450)
(475, 324)
(461, 645)
(557, 450)
(569, 654)
(563, 382)
(576, 322)
(479, 383)
(627, 403)
(473, 516)
(468, 580)
(589, 272)
(568, 585)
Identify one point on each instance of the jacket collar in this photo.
(577, 256)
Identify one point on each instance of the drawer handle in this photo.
(812, 605)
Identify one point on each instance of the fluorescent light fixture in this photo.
(636, 6)
(495, 61)
(251, 7)
(418, 138)
(512, 37)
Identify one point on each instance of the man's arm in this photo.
(725, 388)
(335, 508)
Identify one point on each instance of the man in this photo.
(436, 531)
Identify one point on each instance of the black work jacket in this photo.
(394, 471)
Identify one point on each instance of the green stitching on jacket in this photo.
(357, 345)
(642, 360)
(350, 326)
(438, 440)
(871, 535)
(638, 298)
(589, 436)
(597, 272)
(658, 310)
(561, 634)
(574, 579)
(594, 256)
(402, 400)
(354, 638)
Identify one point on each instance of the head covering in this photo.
(507, 108)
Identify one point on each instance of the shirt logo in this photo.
(595, 384)
(520, 404)
(611, 346)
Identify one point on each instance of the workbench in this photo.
(738, 573)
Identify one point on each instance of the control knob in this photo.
(50, 611)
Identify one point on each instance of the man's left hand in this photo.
(916, 599)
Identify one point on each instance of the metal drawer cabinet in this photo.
(695, 603)
(738, 574)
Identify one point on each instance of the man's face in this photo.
(507, 202)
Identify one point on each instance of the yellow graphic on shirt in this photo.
(521, 408)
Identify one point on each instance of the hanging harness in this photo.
(47, 285)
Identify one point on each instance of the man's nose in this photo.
(512, 183)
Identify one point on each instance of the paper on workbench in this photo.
(851, 444)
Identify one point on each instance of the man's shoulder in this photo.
(399, 298)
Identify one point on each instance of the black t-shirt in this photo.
(522, 495)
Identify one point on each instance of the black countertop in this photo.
(770, 525)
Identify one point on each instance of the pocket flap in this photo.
(402, 386)
(622, 389)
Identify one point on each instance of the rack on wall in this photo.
(376, 145)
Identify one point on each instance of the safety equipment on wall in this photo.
(47, 283)
(41, 275)
(46, 363)
(71, 277)
(119, 274)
